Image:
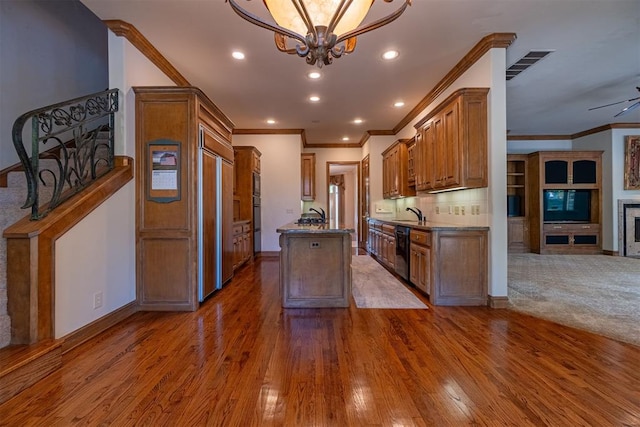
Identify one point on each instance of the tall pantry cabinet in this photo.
(184, 198)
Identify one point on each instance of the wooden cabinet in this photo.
(184, 246)
(517, 211)
(308, 176)
(382, 243)
(242, 248)
(448, 264)
(420, 260)
(411, 162)
(395, 178)
(451, 143)
(565, 202)
(247, 194)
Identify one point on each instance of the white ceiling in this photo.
(596, 61)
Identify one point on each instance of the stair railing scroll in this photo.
(78, 135)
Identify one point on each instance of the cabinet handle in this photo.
(586, 226)
(557, 227)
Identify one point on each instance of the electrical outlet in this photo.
(97, 300)
(477, 209)
(457, 210)
(437, 210)
(314, 245)
(462, 210)
(450, 209)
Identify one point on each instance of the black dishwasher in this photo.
(402, 251)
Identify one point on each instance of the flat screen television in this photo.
(567, 205)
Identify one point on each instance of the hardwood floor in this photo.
(242, 360)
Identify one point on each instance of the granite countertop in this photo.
(431, 225)
(329, 228)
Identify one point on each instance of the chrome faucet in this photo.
(418, 213)
(323, 215)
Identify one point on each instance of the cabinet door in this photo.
(308, 172)
(425, 168)
(209, 229)
(424, 280)
(391, 251)
(451, 149)
(411, 156)
(227, 221)
(414, 264)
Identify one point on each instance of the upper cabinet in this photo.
(451, 143)
(308, 176)
(571, 168)
(395, 177)
(411, 162)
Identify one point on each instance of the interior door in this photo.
(365, 201)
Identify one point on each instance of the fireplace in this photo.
(629, 228)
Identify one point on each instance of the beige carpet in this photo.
(598, 293)
(375, 287)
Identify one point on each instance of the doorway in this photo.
(343, 195)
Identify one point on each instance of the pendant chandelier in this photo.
(321, 29)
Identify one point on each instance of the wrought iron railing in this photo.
(78, 136)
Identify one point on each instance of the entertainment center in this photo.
(564, 198)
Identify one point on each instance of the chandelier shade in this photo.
(321, 29)
(321, 12)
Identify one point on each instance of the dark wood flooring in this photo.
(242, 360)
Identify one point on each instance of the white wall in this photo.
(96, 256)
(279, 180)
(612, 143)
(487, 72)
(324, 156)
(49, 52)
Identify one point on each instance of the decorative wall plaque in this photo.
(632, 162)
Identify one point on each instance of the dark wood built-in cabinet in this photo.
(382, 243)
(517, 206)
(308, 177)
(242, 247)
(395, 177)
(451, 143)
(184, 209)
(246, 195)
(565, 202)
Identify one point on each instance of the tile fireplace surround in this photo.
(629, 228)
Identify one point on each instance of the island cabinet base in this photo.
(315, 270)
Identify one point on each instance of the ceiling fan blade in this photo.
(607, 105)
(629, 108)
(613, 103)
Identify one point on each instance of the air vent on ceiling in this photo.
(526, 61)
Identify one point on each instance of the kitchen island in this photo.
(315, 265)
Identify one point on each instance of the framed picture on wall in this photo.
(632, 162)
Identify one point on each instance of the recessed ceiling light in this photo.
(314, 75)
(390, 54)
(345, 138)
(398, 104)
(271, 121)
(238, 55)
(314, 98)
(358, 121)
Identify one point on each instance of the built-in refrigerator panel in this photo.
(209, 222)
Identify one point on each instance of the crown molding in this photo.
(268, 131)
(491, 41)
(592, 131)
(124, 29)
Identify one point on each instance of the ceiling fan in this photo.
(625, 109)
